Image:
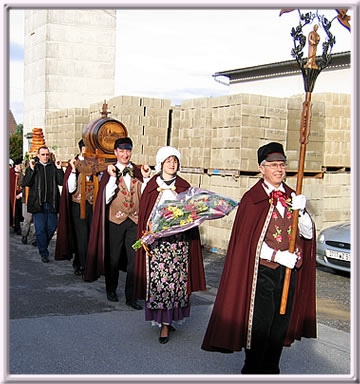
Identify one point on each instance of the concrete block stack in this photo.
(64, 130)
(191, 132)
(218, 139)
(336, 198)
(146, 120)
(315, 146)
(337, 126)
(215, 234)
(264, 119)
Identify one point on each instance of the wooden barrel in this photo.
(102, 133)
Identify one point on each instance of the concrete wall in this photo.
(69, 61)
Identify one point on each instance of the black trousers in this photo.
(269, 326)
(121, 237)
(82, 231)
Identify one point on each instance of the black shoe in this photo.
(163, 339)
(171, 328)
(45, 259)
(134, 304)
(24, 239)
(34, 243)
(112, 296)
(77, 272)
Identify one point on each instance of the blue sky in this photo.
(172, 53)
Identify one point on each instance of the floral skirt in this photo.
(168, 277)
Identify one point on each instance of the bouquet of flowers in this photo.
(189, 210)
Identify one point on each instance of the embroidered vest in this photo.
(126, 203)
(278, 236)
(89, 192)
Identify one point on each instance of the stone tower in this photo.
(69, 61)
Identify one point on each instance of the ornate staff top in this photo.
(313, 65)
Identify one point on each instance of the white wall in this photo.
(335, 81)
(69, 61)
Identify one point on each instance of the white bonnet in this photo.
(163, 153)
(11, 162)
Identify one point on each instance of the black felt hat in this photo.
(271, 152)
(123, 143)
(81, 144)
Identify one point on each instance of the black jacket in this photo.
(43, 182)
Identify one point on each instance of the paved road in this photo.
(62, 325)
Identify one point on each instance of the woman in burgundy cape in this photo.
(160, 308)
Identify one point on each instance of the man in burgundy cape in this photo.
(97, 242)
(65, 241)
(228, 324)
(196, 281)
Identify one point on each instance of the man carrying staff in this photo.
(73, 230)
(114, 224)
(246, 312)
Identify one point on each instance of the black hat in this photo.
(81, 144)
(123, 143)
(271, 152)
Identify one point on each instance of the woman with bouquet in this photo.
(171, 267)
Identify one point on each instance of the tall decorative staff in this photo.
(310, 69)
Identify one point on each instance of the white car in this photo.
(333, 247)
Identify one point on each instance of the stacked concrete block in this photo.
(313, 189)
(190, 132)
(146, 120)
(193, 179)
(337, 198)
(64, 130)
(154, 125)
(239, 125)
(215, 234)
(315, 145)
(337, 126)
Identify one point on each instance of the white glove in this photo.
(266, 252)
(286, 258)
(298, 202)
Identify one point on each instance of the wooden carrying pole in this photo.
(304, 139)
(14, 197)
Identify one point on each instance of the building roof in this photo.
(12, 123)
(279, 69)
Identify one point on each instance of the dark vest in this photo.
(278, 236)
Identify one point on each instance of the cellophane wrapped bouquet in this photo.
(189, 210)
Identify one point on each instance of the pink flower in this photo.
(279, 238)
(275, 215)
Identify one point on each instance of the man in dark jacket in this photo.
(43, 177)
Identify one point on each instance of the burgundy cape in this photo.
(97, 247)
(196, 281)
(65, 241)
(227, 328)
(12, 187)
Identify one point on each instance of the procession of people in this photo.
(98, 237)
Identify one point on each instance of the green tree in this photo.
(16, 143)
